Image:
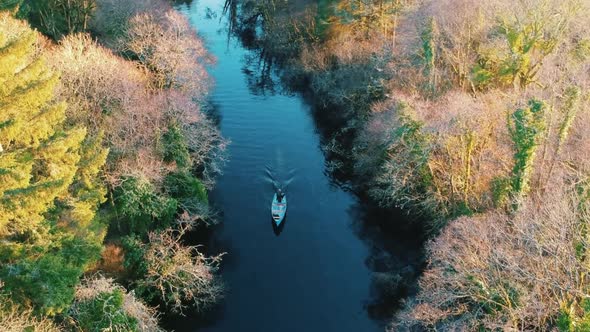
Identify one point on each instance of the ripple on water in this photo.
(312, 276)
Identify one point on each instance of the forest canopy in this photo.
(470, 116)
(101, 142)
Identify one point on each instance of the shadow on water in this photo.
(395, 257)
(213, 113)
(267, 74)
(278, 229)
(186, 3)
(395, 254)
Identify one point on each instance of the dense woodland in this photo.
(106, 155)
(471, 116)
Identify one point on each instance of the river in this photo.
(313, 273)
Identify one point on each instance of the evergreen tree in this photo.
(9, 4)
(48, 180)
(86, 192)
(38, 160)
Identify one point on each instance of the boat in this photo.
(278, 209)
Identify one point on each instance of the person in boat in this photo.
(280, 195)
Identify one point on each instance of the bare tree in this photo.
(109, 94)
(179, 275)
(495, 271)
(169, 47)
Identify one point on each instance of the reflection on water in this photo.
(395, 258)
(331, 268)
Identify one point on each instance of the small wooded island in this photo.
(436, 156)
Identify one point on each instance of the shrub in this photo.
(184, 186)
(134, 261)
(393, 153)
(526, 130)
(15, 319)
(104, 312)
(405, 179)
(102, 305)
(175, 147)
(178, 275)
(141, 207)
(112, 260)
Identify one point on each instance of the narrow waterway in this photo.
(310, 275)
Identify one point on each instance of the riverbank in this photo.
(115, 155)
(340, 102)
(469, 117)
(453, 110)
(325, 264)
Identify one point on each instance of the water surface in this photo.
(311, 274)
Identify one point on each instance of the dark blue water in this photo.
(311, 274)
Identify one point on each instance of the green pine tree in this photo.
(49, 190)
(38, 158)
(9, 4)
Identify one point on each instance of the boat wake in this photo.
(279, 179)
